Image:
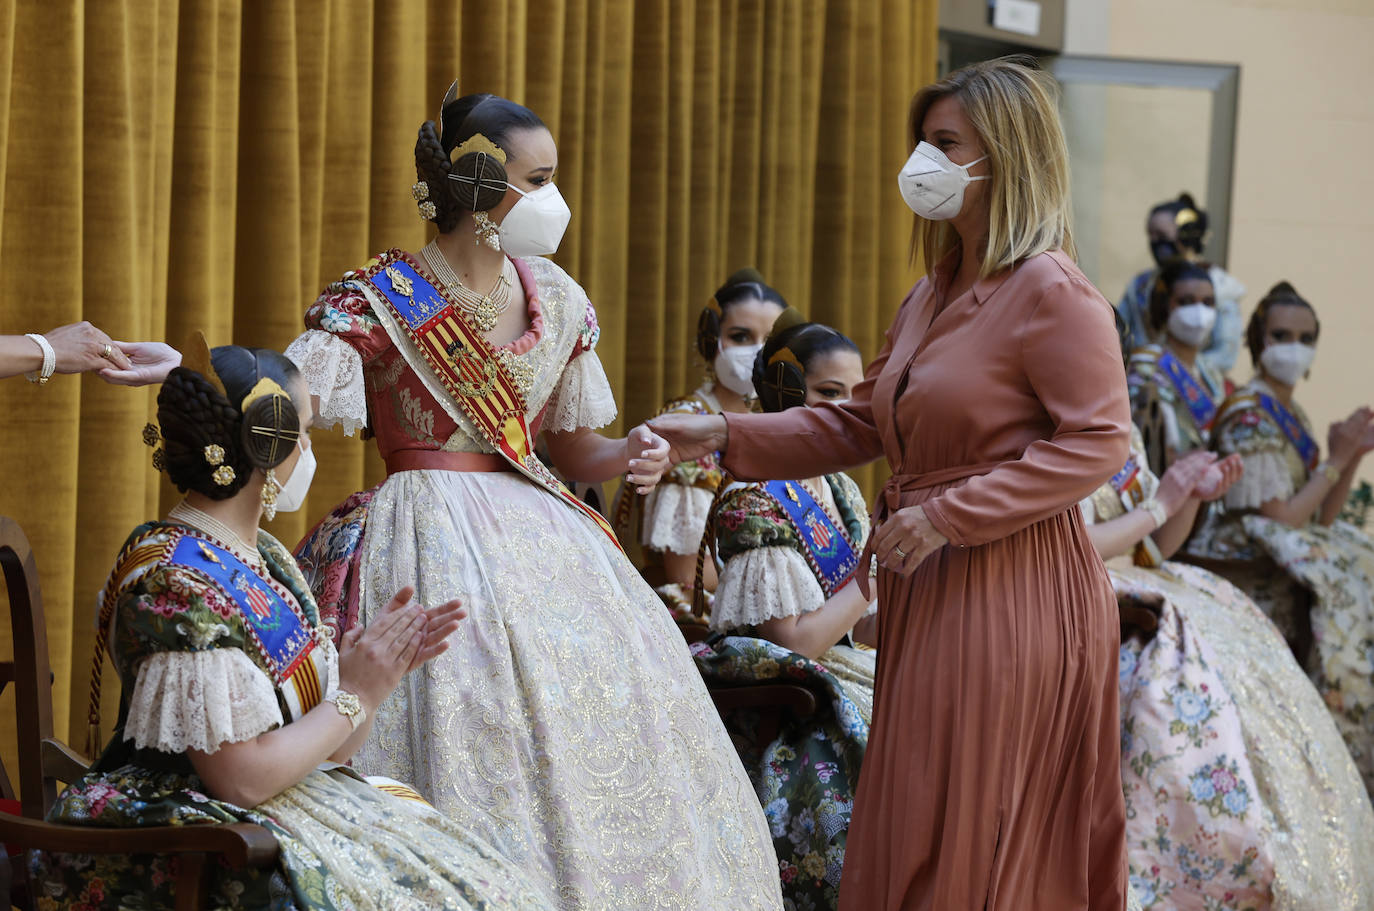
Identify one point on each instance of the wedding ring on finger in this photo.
(901, 554)
(106, 351)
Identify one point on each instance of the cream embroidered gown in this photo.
(1240, 792)
(566, 724)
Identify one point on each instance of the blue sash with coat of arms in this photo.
(828, 549)
(280, 632)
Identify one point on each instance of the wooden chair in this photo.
(44, 761)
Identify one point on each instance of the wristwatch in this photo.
(349, 706)
(1329, 471)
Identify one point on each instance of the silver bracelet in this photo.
(44, 373)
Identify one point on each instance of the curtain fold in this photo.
(181, 165)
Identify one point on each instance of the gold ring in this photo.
(106, 351)
(901, 554)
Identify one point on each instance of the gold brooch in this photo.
(214, 454)
(224, 476)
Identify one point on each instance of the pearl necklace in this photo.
(202, 521)
(485, 309)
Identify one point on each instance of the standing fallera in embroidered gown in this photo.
(1240, 792)
(188, 646)
(1281, 566)
(611, 782)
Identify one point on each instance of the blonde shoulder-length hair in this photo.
(1014, 107)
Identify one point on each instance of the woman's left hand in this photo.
(905, 539)
(646, 453)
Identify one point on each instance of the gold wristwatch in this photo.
(1329, 471)
(349, 706)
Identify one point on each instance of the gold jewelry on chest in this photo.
(485, 309)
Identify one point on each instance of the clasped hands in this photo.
(374, 658)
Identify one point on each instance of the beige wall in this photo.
(1303, 197)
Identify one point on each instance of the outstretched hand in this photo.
(148, 362)
(646, 454)
(80, 347)
(690, 436)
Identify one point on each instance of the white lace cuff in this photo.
(200, 700)
(583, 397)
(1265, 478)
(333, 370)
(675, 517)
(766, 583)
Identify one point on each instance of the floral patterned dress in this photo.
(194, 679)
(672, 517)
(1312, 580)
(1239, 791)
(613, 784)
(806, 769)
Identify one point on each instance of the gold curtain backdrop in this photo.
(173, 165)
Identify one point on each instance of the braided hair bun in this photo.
(210, 445)
(194, 416)
(780, 368)
(484, 176)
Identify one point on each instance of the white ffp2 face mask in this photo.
(735, 368)
(291, 495)
(932, 185)
(1287, 362)
(535, 224)
(1192, 324)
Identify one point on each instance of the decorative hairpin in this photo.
(420, 190)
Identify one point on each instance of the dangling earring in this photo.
(269, 495)
(486, 230)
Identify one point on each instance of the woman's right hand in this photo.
(690, 436)
(1345, 439)
(1182, 478)
(372, 660)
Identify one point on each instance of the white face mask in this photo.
(1192, 324)
(735, 368)
(1287, 362)
(535, 224)
(291, 495)
(932, 185)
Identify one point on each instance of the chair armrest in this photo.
(242, 844)
(62, 762)
(798, 699)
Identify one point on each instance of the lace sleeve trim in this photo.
(675, 517)
(1266, 477)
(583, 397)
(333, 370)
(765, 583)
(200, 700)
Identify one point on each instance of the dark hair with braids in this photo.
(193, 415)
(495, 118)
(744, 285)
(780, 368)
(1281, 295)
(1173, 272)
